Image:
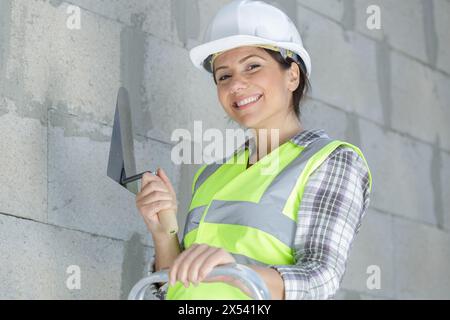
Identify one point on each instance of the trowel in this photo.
(121, 157)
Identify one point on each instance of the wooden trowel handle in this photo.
(168, 219)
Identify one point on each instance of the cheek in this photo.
(224, 103)
(270, 81)
(222, 98)
(271, 90)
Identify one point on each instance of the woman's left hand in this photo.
(195, 263)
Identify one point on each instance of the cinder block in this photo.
(442, 83)
(178, 93)
(416, 99)
(155, 14)
(337, 123)
(373, 247)
(442, 17)
(401, 167)
(428, 18)
(443, 201)
(81, 195)
(23, 164)
(153, 17)
(5, 17)
(334, 9)
(361, 16)
(398, 18)
(318, 115)
(181, 23)
(422, 261)
(76, 71)
(36, 258)
(345, 294)
(349, 80)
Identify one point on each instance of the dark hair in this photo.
(304, 85)
(302, 88)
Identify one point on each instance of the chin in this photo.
(250, 122)
(247, 119)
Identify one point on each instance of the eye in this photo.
(254, 66)
(222, 79)
(250, 67)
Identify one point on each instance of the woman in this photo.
(293, 226)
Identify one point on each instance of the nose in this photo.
(238, 83)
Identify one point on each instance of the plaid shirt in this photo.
(334, 202)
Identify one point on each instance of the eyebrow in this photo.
(241, 61)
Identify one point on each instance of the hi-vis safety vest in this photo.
(248, 212)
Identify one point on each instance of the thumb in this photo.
(162, 174)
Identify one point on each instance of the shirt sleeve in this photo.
(333, 205)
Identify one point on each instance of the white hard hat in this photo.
(250, 23)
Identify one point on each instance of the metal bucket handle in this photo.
(246, 275)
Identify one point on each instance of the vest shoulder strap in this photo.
(202, 174)
(196, 176)
(208, 169)
(292, 205)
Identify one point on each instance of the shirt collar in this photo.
(306, 137)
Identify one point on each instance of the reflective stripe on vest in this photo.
(251, 215)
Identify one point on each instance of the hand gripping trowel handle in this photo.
(168, 220)
(168, 217)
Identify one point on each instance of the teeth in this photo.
(247, 101)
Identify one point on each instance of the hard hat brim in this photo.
(199, 53)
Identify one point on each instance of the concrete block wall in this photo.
(385, 90)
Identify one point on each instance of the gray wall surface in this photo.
(387, 91)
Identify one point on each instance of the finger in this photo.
(157, 206)
(155, 196)
(193, 275)
(162, 174)
(185, 266)
(151, 187)
(156, 183)
(146, 178)
(211, 261)
(179, 260)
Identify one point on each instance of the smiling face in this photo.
(253, 88)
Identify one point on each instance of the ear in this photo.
(293, 77)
